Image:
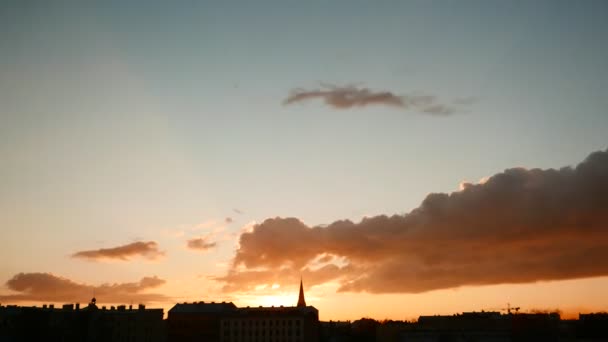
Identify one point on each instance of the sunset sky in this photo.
(403, 157)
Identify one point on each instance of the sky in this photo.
(402, 157)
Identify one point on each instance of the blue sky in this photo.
(120, 122)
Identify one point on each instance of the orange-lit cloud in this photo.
(200, 244)
(519, 226)
(344, 97)
(148, 250)
(51, 288)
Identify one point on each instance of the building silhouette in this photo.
(592, 327)
(487, 326)
(198, 321)
(225, 322)
(88, 324)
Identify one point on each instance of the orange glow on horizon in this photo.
(276, 300)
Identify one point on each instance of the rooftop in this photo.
(202, 307)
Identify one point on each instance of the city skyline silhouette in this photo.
(376, 161)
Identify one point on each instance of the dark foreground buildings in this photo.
(225, 322)
(474, 327)
(88, 324)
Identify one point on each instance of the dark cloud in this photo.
(521, 225)
(350, 96)
(148, 250)
(228, 220)
(201, 244)
(238, 211)
(46, 287)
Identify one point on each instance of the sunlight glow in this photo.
(289, 299)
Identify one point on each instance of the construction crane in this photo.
(508, 309)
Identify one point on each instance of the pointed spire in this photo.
(301, 301)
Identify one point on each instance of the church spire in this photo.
(301, 301)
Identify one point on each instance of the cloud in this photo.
(228, 220)
(51, 288)
(200, 244)
(466, 101)
(345, 97)
(283, 277)
(518, 226)
(209, 224)
(148, 250)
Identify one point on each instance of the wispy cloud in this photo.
(48, 287)
(148, 250)
(517, 226)
(345, 97)
(466, 100)
(200, 244)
